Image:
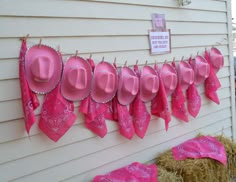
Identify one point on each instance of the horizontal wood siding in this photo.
(109, 28)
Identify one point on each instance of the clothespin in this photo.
(40, 42)
(76, 53)
(25, 38)
(125, 63)
(102, 59)
(90, 56)
(137, 62)
(146, 63)
(114, 61)
(173, 59)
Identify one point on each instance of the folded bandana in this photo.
(178, 102)
(57, 115)
(159, 105)
(138, 110)
(94, 113)
(212, 83)
(201, 147)
(125, 121)
(29, 99)
(193, 97)
(135, 172)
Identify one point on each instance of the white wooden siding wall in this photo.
(115, 28)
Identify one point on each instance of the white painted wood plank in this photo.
(227, 132)
(101, 11)
(112, 154)
(130, 56)
(217, 126)
(101, 27)
(201, 5)
(105, 10)
(119, 43)
(39, 143)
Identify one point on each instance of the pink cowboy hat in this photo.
(105, 82)
(217, 59)
(128, 86)
(76, 79)
(169, 78)
(149, 84)
(201, 70)
(185, 74)
(43, 67)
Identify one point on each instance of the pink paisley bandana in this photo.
(125, 120)
(111, 112)
(138, 110)
(135, 172)
(178, 102)
(94, 113)
(212, 83)
(193, 97)
(29, 99)
(201, 147)
(94, 116)
(159, 105)
(57, 115)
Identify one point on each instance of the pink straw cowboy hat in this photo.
(76, 79)
(149, 84)
(169, 78)
(128, 86)
(201, 69)
(105, 82)
(216, 58)
(43, 67)
(185, 74)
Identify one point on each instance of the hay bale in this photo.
(194, 170)
(166, 176)
(230, 148)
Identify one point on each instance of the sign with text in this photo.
(159, 22)
(160, 42)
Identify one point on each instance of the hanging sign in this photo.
(158, 22)
(160, 42)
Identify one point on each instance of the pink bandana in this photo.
(178, 102)
(125, 120)
(112, 113)
(57, 115)
(201, 147)
(94, 116)
(109, 114)
(138, 110)
(193, 97)
(212, 83)
(135, 172)
(94, 113)
(159, 105)
(29, 99)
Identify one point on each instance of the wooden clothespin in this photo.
(25, 38)
(76, 53)
(103, 59)
(40, 42)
